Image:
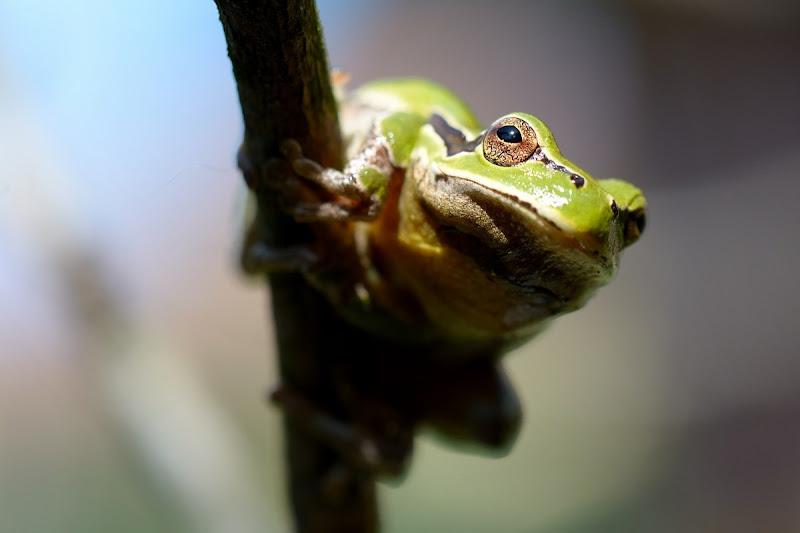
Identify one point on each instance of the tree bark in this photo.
(281, 70)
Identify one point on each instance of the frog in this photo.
(455, 240)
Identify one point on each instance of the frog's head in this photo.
(530, 201)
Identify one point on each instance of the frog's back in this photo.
(421, 97)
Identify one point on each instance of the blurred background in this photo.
(670, 403)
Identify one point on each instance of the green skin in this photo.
(481, 251)
(453, 241)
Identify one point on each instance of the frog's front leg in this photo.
(353, 194)
(357, 191)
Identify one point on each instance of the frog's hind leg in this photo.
(474, 402)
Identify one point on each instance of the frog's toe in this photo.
(261, 258)
(307, 168)
(291, 149)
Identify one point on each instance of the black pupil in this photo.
(509, 134)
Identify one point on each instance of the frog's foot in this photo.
(356, 447)
(352, 200)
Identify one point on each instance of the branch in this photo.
(282, 75)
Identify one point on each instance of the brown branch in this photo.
(281, 71)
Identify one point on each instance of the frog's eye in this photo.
(509, 134)
(510, 141)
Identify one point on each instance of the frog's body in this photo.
(461, 236)
(459, 240)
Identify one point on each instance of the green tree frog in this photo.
(441, 233)
(455, 233)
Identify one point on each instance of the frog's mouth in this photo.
(493, 203)
(526, 225)
(530, 256)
